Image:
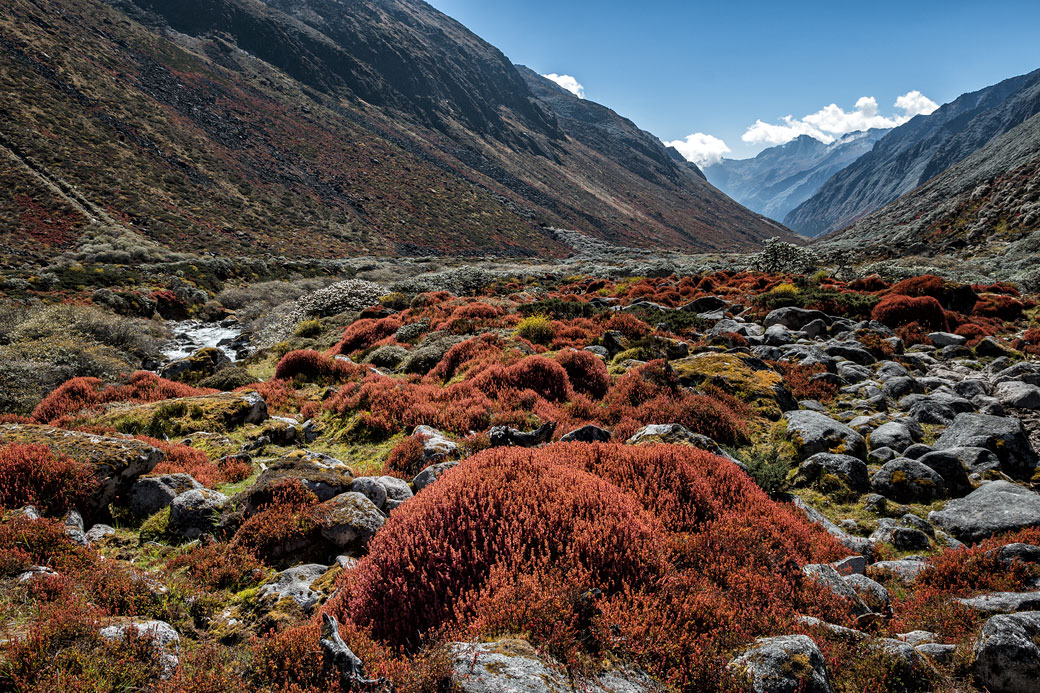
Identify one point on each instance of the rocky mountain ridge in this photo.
(917, 151)
(780, 178)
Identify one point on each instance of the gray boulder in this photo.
(873, 594)
(1017, 394)
(783, 664)
(352, 519)
(793, 318)
(829, 577)
(813, 433)
(295, 583)
(1003, 436)
(905, 569)
(150, 494)
(945, 339)
(587, 434)
(1003, 602)
(196, 512)
(948, 465)
(993, 508)
(397, 491)
(1007, 653)
(892, 435)
(907, 481)
(436, 445)
(431, 474)
(848, 469)
(372, 488)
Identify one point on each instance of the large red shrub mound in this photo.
(313, 366)
(537, 373)
(691, 557)
(364, 333)
(586, 372)
(34, 475)
(953, 296)
(896, 310)
(78, 394)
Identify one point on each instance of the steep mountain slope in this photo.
(917, 151)
(783, 177)
(989, 198)
(310, 128)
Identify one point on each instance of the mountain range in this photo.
(781, 178)
(318, 128)
(916, 152)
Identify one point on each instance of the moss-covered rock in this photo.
(200, 365)
(747, 378)
(224, 411)
(117, 462)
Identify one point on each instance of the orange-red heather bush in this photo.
(464, 353)
(895, 310)
(999, 306)
(691, 557)
(79, 394)
(280, 395)
(586, 371)
(219, 566)
(314, 367)
(868, 284)
(291, 519)
(953, 296)
(34, 475)
(407, 456)
(543, 376)
(365, 333)
(628, 325)
(183, 459)
(798, 379)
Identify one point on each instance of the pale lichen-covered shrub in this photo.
(782, 257)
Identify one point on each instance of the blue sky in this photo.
(715, 69)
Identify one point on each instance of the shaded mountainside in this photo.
(991, 197)
(917, 151)
(313, 128)
(781, 178)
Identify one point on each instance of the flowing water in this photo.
(191, 335)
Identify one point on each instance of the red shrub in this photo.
(536, 373)
(364, 333)
(219, 566)
(953, 296)
(628, 325)
(34, 475)
(315, 367)
(999, 306)
(586, 371)
(692, 558)
(798, 379)
(895, 310)
(407, 456)
(464, 353)
(79, 394)
(281, 397)
(293, 519)
(912, 334)
(973, 332)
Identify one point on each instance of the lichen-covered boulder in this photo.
(117, 462)
(196, 512)
(295, 583)
(430, 474)
(908, 481)
(1004, 436)
(166, 638)
(993, 508)
(325, 476)
(199, 366)
(224, 411)
(783, 664)
(845, 469)
(351, 519)
(813, 433)
(1007, 653)
(150, 494)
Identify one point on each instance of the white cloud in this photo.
(567, 82)
(701, 149)
(831, 122)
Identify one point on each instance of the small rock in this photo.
(295, 583)
(784, 664)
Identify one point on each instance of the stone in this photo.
(150, 494)
(1017, 394)
(512, 665)
(99, 532)
(858, 545)
(223, 411)
(905, 666)
(946, 339)
(892, 435)
(324, 476)
(167, 640)
(993, 508)
(1024, 553)
(352, 519)
(851, 565)
(295, 583)
(828, 577)
(677, 434)
(812, 433)
(397, 491)
(116, 462)
(916, 451)
(196, 512)
(783, 664)
(200, 365)
(793, 318)
(905, 569)
(851, 471)
(973, 387)
(371, 488)
(873, 594)
(587, 434)
(902, 538)
(882, 455)
(948, 465)
(1003, 602)
(1007, 653)
(989, 346)
(436, 446)
(976, 460)
(430, 474)
(937, 652)
(907, 481)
